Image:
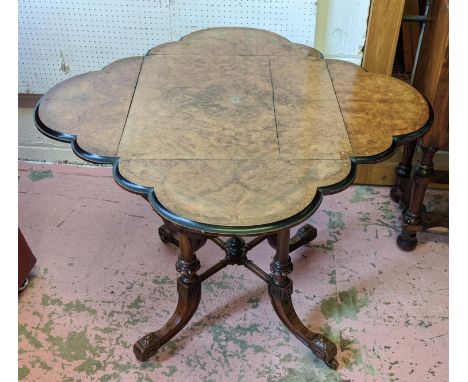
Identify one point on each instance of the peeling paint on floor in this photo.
(103, 279)
(36, 175)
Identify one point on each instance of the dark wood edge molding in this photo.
(28, 99)
(213, 229)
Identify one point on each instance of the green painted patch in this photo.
(332, 275)
(306, 368)
(89, 366)
(23, 372)
(363, 194)
(211, 285)
(228, 281)
(387, 211)
(172, 370)
(365, 219)
(106, 330)
(24, 332)
(47, 300)
(109, 377)
(345, 305)
(335, 226)
(136, 304)
(160, 280)
(225, 337)
(351, 352)
(424, 324)
(254, 301)
(41, 363)
(36, 175)
(75, 347)
(37, 314)
(78, 306)
(335, 220)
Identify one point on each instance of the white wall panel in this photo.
(341, 28)
(62, 38)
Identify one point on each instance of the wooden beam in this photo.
(382, 35)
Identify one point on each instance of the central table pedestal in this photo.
(280, 286)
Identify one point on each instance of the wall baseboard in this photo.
(28, 99)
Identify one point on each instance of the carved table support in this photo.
(400, 192)
(280, 289)
(412, 215)
(189, 289)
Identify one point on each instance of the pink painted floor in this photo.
(103, 279)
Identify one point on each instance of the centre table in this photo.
(235, 133)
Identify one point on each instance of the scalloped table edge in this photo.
(225, 230)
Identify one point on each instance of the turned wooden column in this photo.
(189, 290)
(280, 289)
(412, 215)
(399, 192)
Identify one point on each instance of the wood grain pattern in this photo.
(375, 107)
(235, 192)
(382, 35)
(201, 108)
(93, 106)
(234, 126)
(309, 122)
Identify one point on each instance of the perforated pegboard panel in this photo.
(62, 38)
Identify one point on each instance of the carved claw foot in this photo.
(189, 298)
(321, 346)
(407, 241)
(304, 235)
(168, 235)
(147, 346)
(323, 349)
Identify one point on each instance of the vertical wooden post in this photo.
(281, 265)
(280, 289)
(382, 35)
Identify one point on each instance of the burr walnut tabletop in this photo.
(233, 127)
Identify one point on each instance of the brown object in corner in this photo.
(26, 259)
(382, 35)
(410, 34)
(432, 73)
(28, 100)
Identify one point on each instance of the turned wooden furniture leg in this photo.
(412, 215)
(400, 191)
(189, 289)
(280, 289)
